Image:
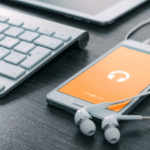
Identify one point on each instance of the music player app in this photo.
(120, 75)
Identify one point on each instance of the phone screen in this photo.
(122, 74)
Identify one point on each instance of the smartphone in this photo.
(120, 73)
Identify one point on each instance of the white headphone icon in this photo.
(112, 75)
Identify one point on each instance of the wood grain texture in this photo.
(28, 123)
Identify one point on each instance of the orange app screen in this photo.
(120, 75)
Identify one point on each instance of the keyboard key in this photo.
(41, 51)
(48, 42)
(24, 47)
(4, 52)
(3, 27)
(10, 71)
(1, 37)
(62, 36)
(15, 58)
(16, 23)
(46, 31)
(35, 57)
(1, 87)
(3, 19)
(9, 42)
(29, 36)
(30, 27)
(14, 31)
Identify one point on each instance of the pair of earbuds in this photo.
(109, 125)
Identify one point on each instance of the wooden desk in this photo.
(28, 123)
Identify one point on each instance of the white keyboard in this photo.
(27, 43)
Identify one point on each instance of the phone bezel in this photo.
(71, 104)
(105, 17)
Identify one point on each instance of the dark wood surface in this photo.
(28, 123)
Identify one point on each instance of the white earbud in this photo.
(110, 126)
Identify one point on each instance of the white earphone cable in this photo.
(136, 28)
(143, 94)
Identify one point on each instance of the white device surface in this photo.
(112, 79)
(100, 12)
